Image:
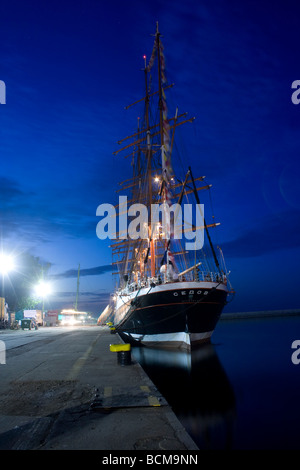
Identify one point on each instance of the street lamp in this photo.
(43, 289)
(6, 265)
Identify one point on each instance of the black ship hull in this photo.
(175, 315)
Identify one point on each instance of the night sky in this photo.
(70, 68)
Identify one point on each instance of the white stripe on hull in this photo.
(180, 340)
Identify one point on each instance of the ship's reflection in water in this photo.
(198, 390)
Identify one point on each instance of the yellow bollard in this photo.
(123, 353)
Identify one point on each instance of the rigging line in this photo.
(211, 202)
(182, 153)
(132, 306)
(175, 216)
(185, 259)
(206, 229)
(131, 301)
(177, 155)
(213, 213)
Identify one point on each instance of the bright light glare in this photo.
(70, 322)
(43, 289)
(6, 263)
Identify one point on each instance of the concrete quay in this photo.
(259, 314)
(109, 406)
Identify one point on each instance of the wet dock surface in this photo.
(62, 388)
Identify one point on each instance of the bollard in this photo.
(123, 353)
(111, 327)
(124, 358)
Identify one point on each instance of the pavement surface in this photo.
(63, 389)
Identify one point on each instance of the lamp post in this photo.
(42, 290)
(6, 265)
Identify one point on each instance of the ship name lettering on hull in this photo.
(191, 292)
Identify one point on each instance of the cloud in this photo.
(273, 233)
(96, 271)
(27, 213)
(92, 296)
(93, 302)
(9, 189)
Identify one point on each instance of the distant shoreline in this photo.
(260, 314)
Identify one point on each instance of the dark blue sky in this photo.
(70, 67)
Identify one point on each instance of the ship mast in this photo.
(144, 145)
(160, 101)
(149, 170)
(162, 139)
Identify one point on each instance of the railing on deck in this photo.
(200, 276)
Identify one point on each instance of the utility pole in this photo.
(77, 293)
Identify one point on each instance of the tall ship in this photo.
(171, 281)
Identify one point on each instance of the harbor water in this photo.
(242, 391)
